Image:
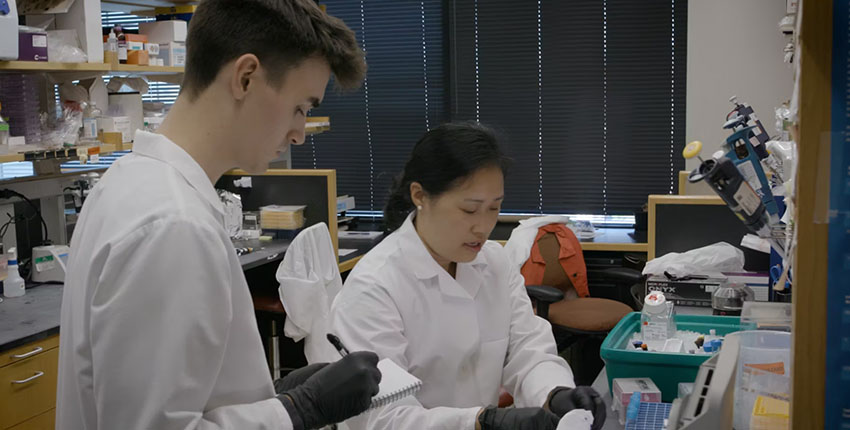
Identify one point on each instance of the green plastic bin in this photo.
(666, 369)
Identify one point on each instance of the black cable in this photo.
(6, 193)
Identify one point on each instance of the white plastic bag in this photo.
(719, 257)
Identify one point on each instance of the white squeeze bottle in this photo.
(14, 285)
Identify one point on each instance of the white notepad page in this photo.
(395, 385)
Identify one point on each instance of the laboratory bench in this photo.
(31, 317)
(29, 357)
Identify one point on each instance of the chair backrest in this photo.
(554, 275)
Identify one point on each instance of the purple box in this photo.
(32, 46)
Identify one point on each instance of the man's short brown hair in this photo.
(281, 33)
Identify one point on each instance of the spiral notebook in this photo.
(395, 385)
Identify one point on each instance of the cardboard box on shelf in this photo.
(164, 31)
(116, 125)
(135, 42)
(138, 57)
(129, 105)
(173, 54)
(32, 46)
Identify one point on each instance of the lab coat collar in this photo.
(161, 148)
(425, 267)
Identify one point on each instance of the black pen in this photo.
(343, 351)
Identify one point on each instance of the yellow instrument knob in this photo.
(692, 149)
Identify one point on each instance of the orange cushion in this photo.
(588, 314)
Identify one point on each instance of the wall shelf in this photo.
(51, 67)
(147, 70)
(64, 153)
(45, 66)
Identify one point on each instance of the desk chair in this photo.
(576, 318)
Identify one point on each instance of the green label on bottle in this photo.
(4, 127)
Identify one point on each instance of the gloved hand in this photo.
(563, 400)
(337, 392)
(297, 377)
(493, 418)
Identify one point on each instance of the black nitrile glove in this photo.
(493, 418)
(335, 393)
(297, 377)
(563, 400)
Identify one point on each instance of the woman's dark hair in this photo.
(443, 158)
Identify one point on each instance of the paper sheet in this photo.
(344, 251)
(576, 419)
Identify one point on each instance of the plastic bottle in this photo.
(110, 49)
(90, 115)
(14, 285)
(4, 131)
(657, 318)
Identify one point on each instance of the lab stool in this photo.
(268, 307)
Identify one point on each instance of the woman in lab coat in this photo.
(447, 306)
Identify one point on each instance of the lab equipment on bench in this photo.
(657, 318)
(625, 388)
(730, 388)
(743, 116)
(711, 403)
(729, 298)
(740, 150)
(14, 285)
(49, 263)
(666, 369)
(8, 30)
(728, 182)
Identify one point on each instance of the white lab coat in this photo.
(309, 280)
(522, 237)
(464, 338)
(158, 329)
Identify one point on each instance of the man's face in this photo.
(273, 118)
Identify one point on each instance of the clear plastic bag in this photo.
(63, 46)
(62, 131)
(719, 257)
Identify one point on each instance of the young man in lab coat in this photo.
(158, 328)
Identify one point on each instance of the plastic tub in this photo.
(666, 369)
(764, 369)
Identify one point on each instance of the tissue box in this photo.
(164, 31)
(32, 46)
(173, 54)
(697, 292)
(689, 292)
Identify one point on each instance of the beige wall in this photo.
(734, 48)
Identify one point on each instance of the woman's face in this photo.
(455, 224)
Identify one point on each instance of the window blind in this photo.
(589, 96)
(404, 94)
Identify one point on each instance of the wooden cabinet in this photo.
(45, 421)
(28, 385)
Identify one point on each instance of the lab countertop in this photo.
(31, 317)
(263, 252)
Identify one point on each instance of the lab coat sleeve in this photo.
(366, 318)
(159, 322)
(533, 367)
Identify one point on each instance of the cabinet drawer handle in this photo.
(29, 354)
(37, 375)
